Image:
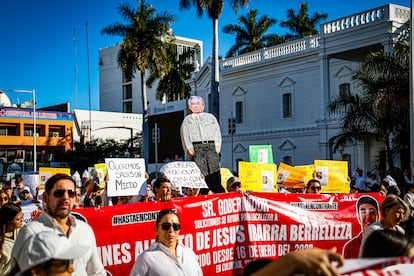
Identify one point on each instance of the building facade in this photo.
(18, 143)
(118, 94)
(279, 96)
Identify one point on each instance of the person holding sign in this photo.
(167, 256)
(201, 139)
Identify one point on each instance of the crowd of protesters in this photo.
(398, 217)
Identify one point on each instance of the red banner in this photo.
(229, 230)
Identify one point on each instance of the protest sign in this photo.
(257, 177)
(261, 154)
(46, 172)
(333, 175)
(125, 176)
(183, 174)
(101, 172)
(225, 174)
(290, 177)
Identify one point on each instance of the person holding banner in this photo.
(314, 261)
(59, 198)
(201, 139)
(167, 256)
(162, 189)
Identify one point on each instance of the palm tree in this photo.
(214, 9)
(251, 34)
(145, 36)
(172, 86)
(381, 110)
(301, 24)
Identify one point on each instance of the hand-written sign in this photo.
(126, 175)
(184, 174)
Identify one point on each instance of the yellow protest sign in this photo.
(257, 177)
(46, 172)
(290, 177)
(100, 169)
(225, 174)
(333, 175)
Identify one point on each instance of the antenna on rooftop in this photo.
(75, 69)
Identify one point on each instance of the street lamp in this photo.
(33, 92)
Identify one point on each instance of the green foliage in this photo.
(86, 155)
(251, 33)
(381, 110)
(301, 24)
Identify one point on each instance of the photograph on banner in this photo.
(225, 174)
(290, 177)
(253, 174)
(100, 169)
(333, 174)
(46, 172)
(261, 154)
(125, 176)
(184, 174)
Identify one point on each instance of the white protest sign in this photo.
(126, 176)
(184, 174)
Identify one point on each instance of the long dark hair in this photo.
(7, 213)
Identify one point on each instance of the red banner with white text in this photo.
(229, 230)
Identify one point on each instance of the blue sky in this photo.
(37, 40)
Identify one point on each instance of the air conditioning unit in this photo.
(55, 134)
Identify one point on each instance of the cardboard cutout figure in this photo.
(201, 139)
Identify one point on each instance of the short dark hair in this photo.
(55, 178)
(158, 181)
(311, 181)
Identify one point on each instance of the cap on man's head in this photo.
(25, 188)
(45, 246)
(367, 200)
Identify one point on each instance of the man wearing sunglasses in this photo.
(313, 187)
(59, 198)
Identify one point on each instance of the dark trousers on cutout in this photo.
(208, 161)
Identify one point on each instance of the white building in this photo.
(120, 95)
(279, 95)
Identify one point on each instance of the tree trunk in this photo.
(145, 127)
(215, 73)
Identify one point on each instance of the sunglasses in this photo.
(166, 226)
(4, 198)
(61, 192)
(25, 192)
(314, 188)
